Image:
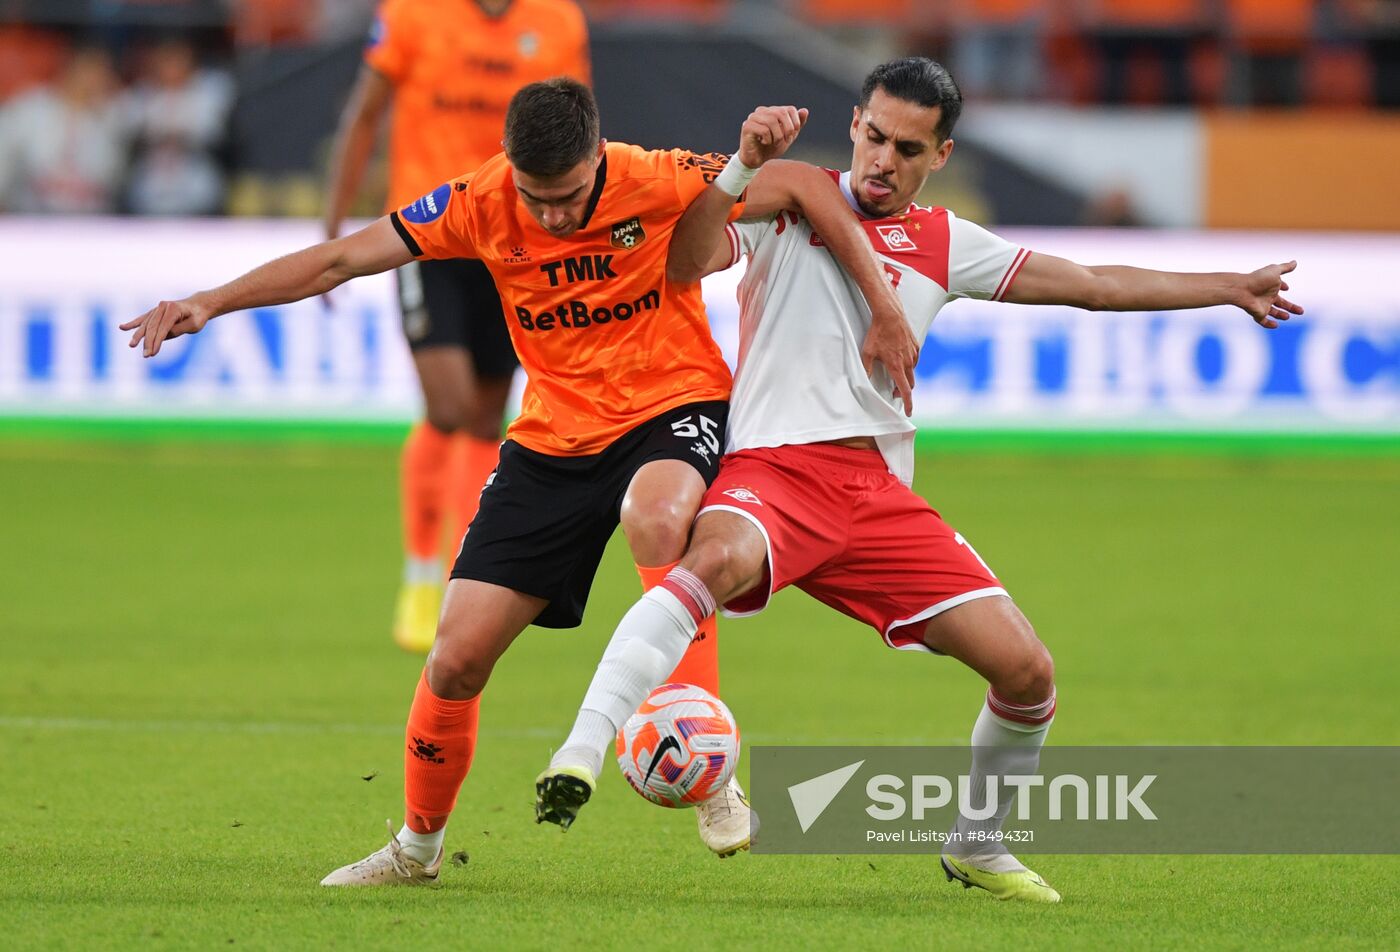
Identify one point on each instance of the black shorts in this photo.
(454, 303)
(545, 520)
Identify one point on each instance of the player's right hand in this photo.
(891, 341)
(767, 133)
(166, 320)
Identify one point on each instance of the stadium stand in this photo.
(291, 63)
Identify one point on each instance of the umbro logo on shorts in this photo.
(743, 495)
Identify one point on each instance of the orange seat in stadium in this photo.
(1271, 25)
(1268, 39)
(28, 57)
(274, 22)
(1337, 76)
(1145, 48)
(698, 11)
(857, 11)
(1165, 15)
(999, 11)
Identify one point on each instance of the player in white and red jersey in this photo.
(814, 488)
(786, 310)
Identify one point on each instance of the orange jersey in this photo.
(607, 342)
(454, 69)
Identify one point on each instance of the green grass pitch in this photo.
(201, 711)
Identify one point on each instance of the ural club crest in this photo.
(743, 495)
(896, 238)
(628, 234)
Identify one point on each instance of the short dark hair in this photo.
(921, 80)
(551, 126)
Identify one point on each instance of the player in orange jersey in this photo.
(447, 69)
(623, 417)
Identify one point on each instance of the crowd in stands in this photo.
(1150, 52)
(75, 139)
(1136, 52)
(124, 105)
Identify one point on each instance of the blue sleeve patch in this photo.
(377, 32)
(430, 207)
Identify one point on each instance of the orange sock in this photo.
(700, 663)
(423, 478)
(440, 739)
(474, 461)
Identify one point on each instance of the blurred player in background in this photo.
(814, 487)
(448, 69)
(623, 416)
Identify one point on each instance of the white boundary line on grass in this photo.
(298, 727)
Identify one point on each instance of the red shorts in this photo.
(844, 530)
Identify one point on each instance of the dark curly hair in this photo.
(920, 80)
(551, 126)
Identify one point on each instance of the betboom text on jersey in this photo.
(577, 313)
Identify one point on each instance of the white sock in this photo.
(648, 643)
(1000, 747)
(418, 571)
(423, 847)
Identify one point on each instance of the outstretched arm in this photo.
(1045, 279)
(304, 273)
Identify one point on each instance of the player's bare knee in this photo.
(482, 425)
(1040, 675)
(1031, 679)
(715, 563)
(482, 415)
(488, 407)
(446, 418)
(454, 672)
(657, 529)
(727, 553)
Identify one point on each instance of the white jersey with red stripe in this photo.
(802, 321)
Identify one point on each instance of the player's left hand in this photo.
(767, 133)
(891, 341)
(1260, 295)
(166, 320)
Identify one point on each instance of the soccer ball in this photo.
(681, 747)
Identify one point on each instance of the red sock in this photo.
(474, 461)
(423, 479)
(440, 739)
(700, 663)
(1030, 714)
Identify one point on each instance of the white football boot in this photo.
(389, 866)
(727, 825)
